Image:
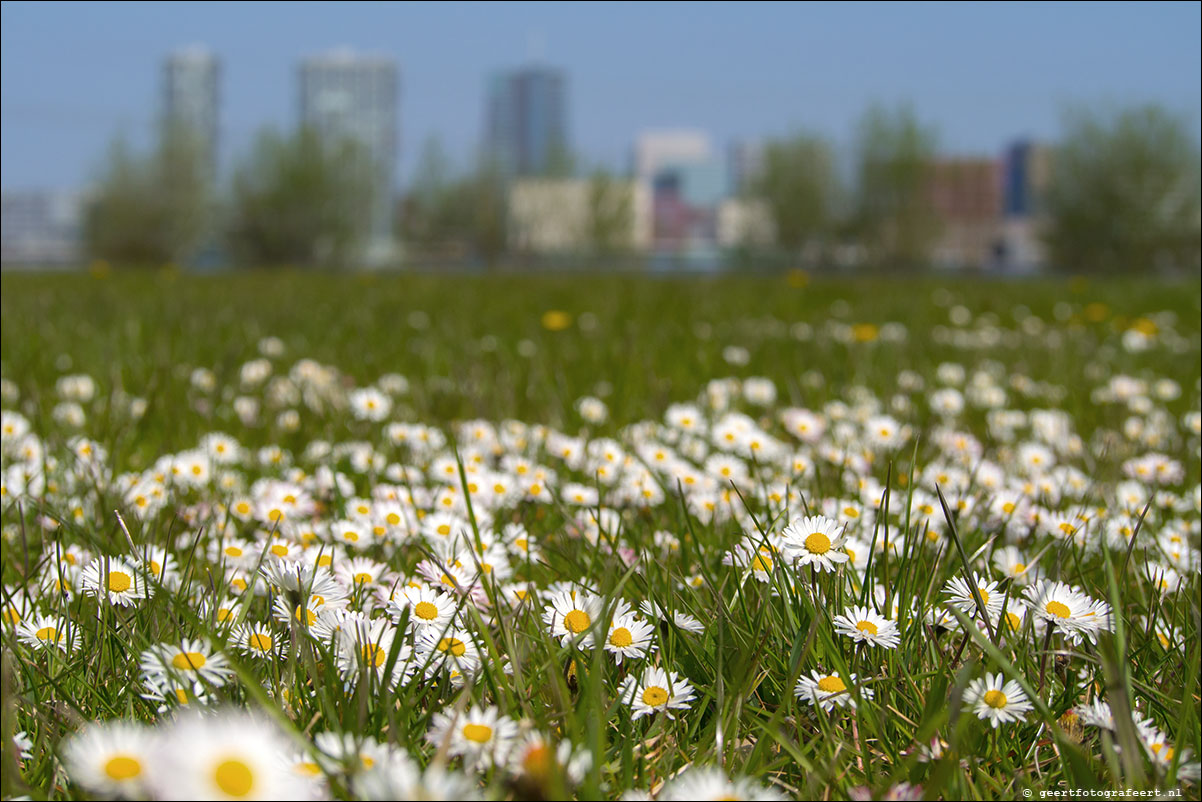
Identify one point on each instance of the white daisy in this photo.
(571, 616)
(828, 690)
(115, 580)
(1069, 610)
(231, 756)
(863, 625)
(656, 690)
(814, 540)
(629, 637)
(111, 758)
(996, 701)
(187, 661)
(481, 736)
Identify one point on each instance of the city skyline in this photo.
(983, 74)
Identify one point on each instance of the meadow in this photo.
(295, 535)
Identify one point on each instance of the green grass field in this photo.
(393, 534)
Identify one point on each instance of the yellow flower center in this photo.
(47, 633)
(279, 550)
(260, 642)
(233, 551)
(867, 626)
(984, 595)
(363, 578)
(181, 695)
(1058, 609)
(480, 733)
(452, 645)
(995, 699)
(761, 563)
(655, 696)
(621, 637)
(1018, 569)
(374, 654)
(818, 543)
(537, 762)
(831, 685)
(577, 621)
(1013, 621)
(122, 767)
(119, 581)
(234, 777)
(188, 661)
(426, 611)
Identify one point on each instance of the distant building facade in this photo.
(966, 195)
(41, 228)
(347, 95)
(553, 216)
(744, 162)
(525, 125)
(1026, 175)
(191, 99)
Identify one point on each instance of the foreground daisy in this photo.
(232, 755)
(656, 690)
(110, 758)
(697, 782)
(481, 736)
(997, 702)
(863, 625)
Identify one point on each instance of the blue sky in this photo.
(74, 75)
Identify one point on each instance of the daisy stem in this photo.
(1043, 657)
(960, 650)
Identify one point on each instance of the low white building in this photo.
(745, 223)
(549, 216)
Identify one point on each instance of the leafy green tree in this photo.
(301, 200)
(800, 186)
(486, 194)
(154, 209)
(610, 215)
(435, 221)
(1124, 193)
(894, 219)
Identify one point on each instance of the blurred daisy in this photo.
(863, 625)
(706, 783)
(996, 701)
(110, 758)
(656, 690)
(229, 756)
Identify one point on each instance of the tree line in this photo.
(1123, 195)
